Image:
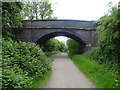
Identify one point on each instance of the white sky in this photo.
(80, 10)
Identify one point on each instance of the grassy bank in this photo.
(49, 54)
(100, 76)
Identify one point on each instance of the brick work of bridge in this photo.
(39, 31)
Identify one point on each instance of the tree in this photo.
(45, 10)
(11, 19)
(74, 47)
(38, 10)
(35, 9)
(50, 45)
(30, 10)
(62, 47)
(109, 35)
(108, 31)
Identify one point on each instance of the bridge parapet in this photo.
(60, 24)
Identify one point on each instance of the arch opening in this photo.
(46, 37)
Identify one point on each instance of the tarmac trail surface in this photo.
(66, 75)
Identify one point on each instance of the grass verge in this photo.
(95, 72)
(49, 54)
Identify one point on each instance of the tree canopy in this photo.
(51, 45)
(74, 47)
(108, 31)
(11, 19)
(38, 10)
(109, 34)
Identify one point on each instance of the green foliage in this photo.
(109, 35)
(0, 61)
(38, 10)
(108, 49)
(49, 54)
(97, 55)
(62, 47)
(11, 19)
(50, 45)
(53, 46)
(74, 47)
(108, 39)
(98, 74)
(38, 82)
(22, 63)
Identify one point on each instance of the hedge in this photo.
(21, 63)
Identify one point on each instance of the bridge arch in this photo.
(41, 30)
(45, 36)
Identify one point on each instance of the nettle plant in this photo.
(22, 62)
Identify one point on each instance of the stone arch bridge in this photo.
(39, 31)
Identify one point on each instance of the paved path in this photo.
(66, 75)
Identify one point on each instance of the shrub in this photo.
(108, 33)
(50, 45)
(98, 55)
(74, 47)
(22, 62)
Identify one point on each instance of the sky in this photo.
(80, 10)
